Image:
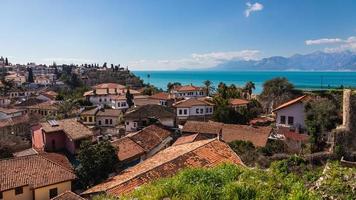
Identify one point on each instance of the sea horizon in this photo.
(304, 80)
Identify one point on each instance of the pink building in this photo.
(66, 134)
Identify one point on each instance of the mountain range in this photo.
(316, 61)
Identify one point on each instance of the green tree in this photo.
(129, 98)
(208, 87)
(249, 87)
(321, 117)
(6, 61)
(276, 91)
(97, 161)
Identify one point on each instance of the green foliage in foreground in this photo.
(226, 182)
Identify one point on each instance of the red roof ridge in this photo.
(291, 102)
(65, 168)
(204, 142)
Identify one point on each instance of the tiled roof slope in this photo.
(291, 102)
(68, 195)
(185, 88)
(237, 102)
(150, 137)
(73, 129)
(202, 127)
(257, 135)
(205, 153)
(147, 111)
(34, 170)
(187, 103)
(127, 148)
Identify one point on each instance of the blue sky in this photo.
(169, 34)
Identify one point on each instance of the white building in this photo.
(291, 114)
(194, 108)
(188, 91)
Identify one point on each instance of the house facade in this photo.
(291, 114)
(188, 91)
(66, 134)
(139, 117)
(194, 108)
(33, 177)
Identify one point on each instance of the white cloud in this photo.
(341, 44)
(195, 61)
(252, 8)
(323, 41)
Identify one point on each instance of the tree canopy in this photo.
(96, 162)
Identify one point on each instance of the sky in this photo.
(171, 34)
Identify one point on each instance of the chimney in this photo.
(346, 109)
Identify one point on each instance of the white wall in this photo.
(296, 111)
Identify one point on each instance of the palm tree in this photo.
(208, 87)
(249, 87)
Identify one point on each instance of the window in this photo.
(99, 122)
(105, 99)
(290, 120)
(201, 110)
(135, 124)
(207, 110)
(100, 100)
(127, 123)
(106, 121)
(110, 121)
(283, 120)
(90, 119)
(185, 111)
(211, 110)
(18, 190)
(197, 110)
(180, 111)
(53, 193)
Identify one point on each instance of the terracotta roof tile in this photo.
(109, 86)
(109, 113)
(161, 96)
(48, 105)
(127, 148)
(187, 103)
(292, 135)
(257, 135)
(202, 127)
(291, 102)
(185, 88)
(73, 129)
(205, 153)
(238, 102)
(68, 195)
(150, 137)
(34, 170)
(149, 111)
(185, 139)
(10, 110)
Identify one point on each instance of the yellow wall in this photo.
(10, 194)
(43, 193)
(40, 193)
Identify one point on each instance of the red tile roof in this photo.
(71, 127)
(230, 132)
(185, 88)
(238, 102)
(188, 103)
(205, 153)
(14, 121)
(35, 171)
(150, 137)
(257, 135)
(202, 127)
(127, 149)
(110, 86)
(291, 102)
(161, 96)
(68, 195)
(185, 139)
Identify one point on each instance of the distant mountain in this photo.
(317, 61)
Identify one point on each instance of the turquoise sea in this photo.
(301, 80)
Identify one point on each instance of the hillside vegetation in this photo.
(287, 179)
